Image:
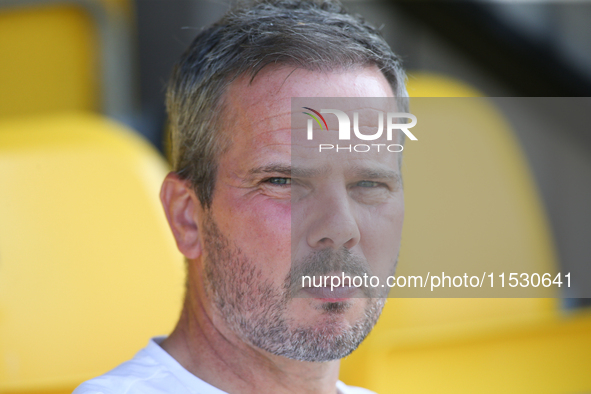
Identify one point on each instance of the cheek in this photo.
(261, 228)
(381, 230)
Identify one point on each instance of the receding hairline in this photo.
(252, 78)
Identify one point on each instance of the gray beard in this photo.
(256, 310)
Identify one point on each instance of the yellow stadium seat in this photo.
(88, 268)
(551, 356)
(65, 56)
(471, 202)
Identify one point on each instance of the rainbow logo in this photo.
(315, 118)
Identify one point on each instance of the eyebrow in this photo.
(299, 172)
(273, 168)
(288, 170)
(376, 173)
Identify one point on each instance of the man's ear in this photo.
(181, 206)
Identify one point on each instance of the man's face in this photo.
(273, 215)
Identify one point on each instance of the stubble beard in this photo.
(257, 311)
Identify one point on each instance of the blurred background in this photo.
(82, 122)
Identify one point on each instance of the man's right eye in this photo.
(279, 181)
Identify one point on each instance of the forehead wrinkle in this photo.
(266, 132)
(270, 118)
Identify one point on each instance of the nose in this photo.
(332, 223)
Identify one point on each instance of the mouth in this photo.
(326, 294)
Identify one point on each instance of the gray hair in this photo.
(313, 35)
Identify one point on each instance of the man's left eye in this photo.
(279, 181)
(368, 184)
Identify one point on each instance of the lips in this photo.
(337, 294)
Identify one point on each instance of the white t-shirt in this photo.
(154, 371)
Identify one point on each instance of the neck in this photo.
(203, 345)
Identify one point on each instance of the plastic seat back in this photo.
(88, 268)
